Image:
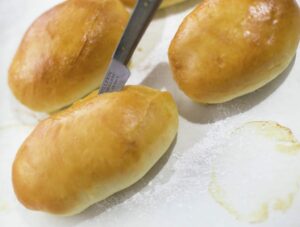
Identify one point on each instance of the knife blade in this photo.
(118, 73)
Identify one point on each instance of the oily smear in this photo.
(257, 171)
(3, 206)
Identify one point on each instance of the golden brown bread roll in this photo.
(164, 4)
(225, 49)
(97, 147)
(65, 53)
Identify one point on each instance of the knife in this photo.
(118, 73)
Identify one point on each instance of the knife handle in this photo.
(139, 21)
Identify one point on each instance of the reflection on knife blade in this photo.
(117, 73)
(115, 78)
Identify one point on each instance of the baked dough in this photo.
(225, 49)
(97, 147)
(164, 4)
(65, 53)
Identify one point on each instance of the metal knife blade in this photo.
(115, 78)
(117, 73)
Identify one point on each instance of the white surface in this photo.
(175, 192)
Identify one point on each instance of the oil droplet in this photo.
(3, 206)
(257, 171)
(130, 65)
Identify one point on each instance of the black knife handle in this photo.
(139, 21)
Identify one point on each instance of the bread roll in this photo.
(97, 147)
(65, 53)
(225, 49)
(164, 4)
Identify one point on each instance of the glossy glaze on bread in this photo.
(225, 49)
(100, 145)
(64, 54)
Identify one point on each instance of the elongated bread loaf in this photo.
(65, 53)
(225, 49)
(97, 147)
